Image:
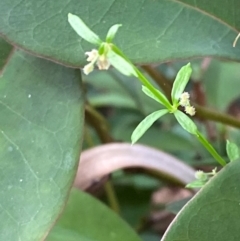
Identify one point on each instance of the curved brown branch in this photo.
(100, 161)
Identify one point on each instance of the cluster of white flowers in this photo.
(204, 176)
(200, 175)
(184, 102)
(94, 57)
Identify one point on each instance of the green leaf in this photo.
(185, 122)
(151, 95)
(41, 126)
(175, 207)
(213, 214)
(146, 124)
(159, 31)
(232, 151)
(180, 82)
(83, 30)
(125, 122)
(121, 64)
(210, 148)
(112, 32)
(196, 184)
(94, 221)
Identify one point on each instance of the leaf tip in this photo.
(70, 15)
(133, 140)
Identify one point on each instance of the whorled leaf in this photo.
(145, 124)
(112, 32)
(180, 82)
(151, 95)
(82, 30)
(185, 122)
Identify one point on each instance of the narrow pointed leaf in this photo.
(185, 122)
(151, 95)
(196, 184)
(146, 124)
(232, 151)
(112, 32)
(121, 64)
(180, 82)
(210, 148)
(83, 30)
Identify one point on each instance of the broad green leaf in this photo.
(213, 214)
(146, 124)
(5, 50)
(151, 95)
(185, 122)
(41, 124)
(121, 64)
(176, 206)
(180, 82)
(82, 30)
(152, 32)
(232, 151)
(87, 219)
(112, 32)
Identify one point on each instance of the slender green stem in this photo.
(88, 138)
(160, 80)
(144, 80)
(131, 93)
(201, 111)
(111, 196)
(210, 148)
(210, 114)
(95, 119)
(98, 122)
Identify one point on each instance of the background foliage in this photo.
(42, 120)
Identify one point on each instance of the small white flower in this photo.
(190, 110)
(184, 102)
(184, 99)
(214, 171)
(201, 176)
(94, 57)
(88, 68)
(103, 62)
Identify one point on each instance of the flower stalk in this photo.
(109, 54)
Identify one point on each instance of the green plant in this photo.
(109, 54)
(42, 122)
